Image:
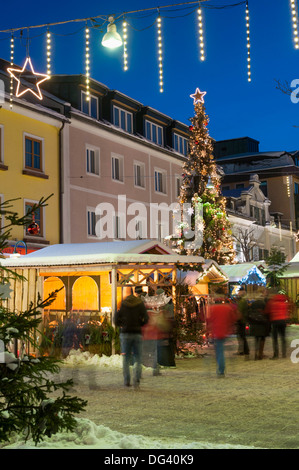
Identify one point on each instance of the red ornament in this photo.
(33, 229)
(206, 123)
(191, 128)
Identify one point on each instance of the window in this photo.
(93, 161)
(122, 119)
(264, 187)
(225, 188)
(117, 168)
(239, 185)
(139, 172)
(90, 106)
(296, 161)
(160, 181)
(91, 222)
(180, 144)
(118, 228)
(33, 153)
(37, 217)
(296, 188)
(153, 132)
(1, 144)
(178, 184)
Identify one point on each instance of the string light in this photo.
(160, 57)
(125, 41)
(248, 43)
(12, 45)
(200, 33)
(288, 186)
(49, 46)
(294, 10)
(87, 63)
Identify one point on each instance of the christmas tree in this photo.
(26, 405)
(201, 190)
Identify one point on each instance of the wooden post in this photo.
(113, 299)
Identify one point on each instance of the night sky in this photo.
(236, 108)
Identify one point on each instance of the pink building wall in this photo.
(83, 191)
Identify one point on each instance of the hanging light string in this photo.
(248, 42)
(12, 45)
(87, 62)
(200, 33)
(160, 55)
(294, 10)
(49, 47)
(125, 40)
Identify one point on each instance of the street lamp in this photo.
(111, 39)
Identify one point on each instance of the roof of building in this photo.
(133, 251)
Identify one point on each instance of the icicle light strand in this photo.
(49, 47)
(160, 57)
(125, 40)
(248, 43)
(294, 10)
(12, 45)
(200, 34)
(87, 63)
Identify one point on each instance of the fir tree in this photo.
(26, 405)
(201, 187)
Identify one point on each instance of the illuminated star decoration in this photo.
(16, 74)
(198, 96)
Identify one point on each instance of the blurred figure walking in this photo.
(259, 325)
(221, 318)
(131, 316)
(278, 308)
(242, 306)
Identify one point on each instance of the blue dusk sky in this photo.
(236, 107)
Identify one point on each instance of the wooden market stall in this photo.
(90, 276)
(290, 282)
(246, 274)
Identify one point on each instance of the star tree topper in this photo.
(198, 96)
(18, 73)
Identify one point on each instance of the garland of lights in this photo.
(93, 21)
(94, 24)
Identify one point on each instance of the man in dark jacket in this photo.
(131, 316)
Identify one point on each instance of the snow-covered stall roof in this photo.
(296, 258)
(133, 251)
(245, 273)
(211, 271)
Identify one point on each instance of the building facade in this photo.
(29, 165)
(254, 229)
(122, 163)
(278, 173)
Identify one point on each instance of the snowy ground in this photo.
(254, 406)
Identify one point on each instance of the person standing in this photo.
(220, 322)
(278, 308)
(130, 318)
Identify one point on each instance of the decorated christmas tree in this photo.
(200, 193)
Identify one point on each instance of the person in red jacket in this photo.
(278, 308)
(221, 317)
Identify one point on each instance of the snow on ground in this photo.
(254, 406)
